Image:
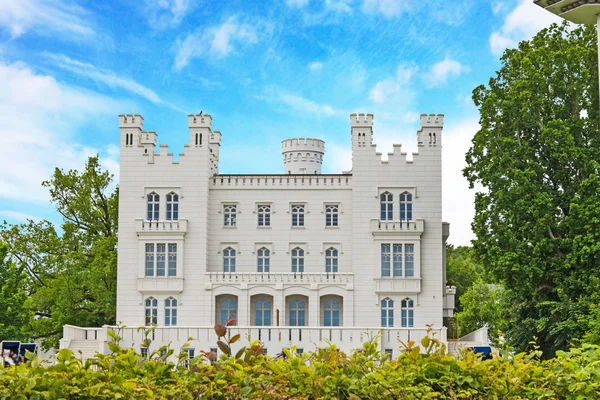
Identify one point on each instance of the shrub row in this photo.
(420, 372)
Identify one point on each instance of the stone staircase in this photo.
(88, 348)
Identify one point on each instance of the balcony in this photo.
(158, 285)
(398, 285)
(143, 226)
(379, 227)
(279, 279)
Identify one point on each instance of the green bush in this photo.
(420, 372)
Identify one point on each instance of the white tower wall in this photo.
(303, 156)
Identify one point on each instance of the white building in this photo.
(297, 258)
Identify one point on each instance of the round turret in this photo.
(303, 156)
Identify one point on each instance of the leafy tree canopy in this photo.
(536, 155)
(70, 276)
(462, 270)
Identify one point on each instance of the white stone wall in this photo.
(201, 236)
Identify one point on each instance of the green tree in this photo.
(462, 270)
(484, 304)
(72, 275)
(536, 155)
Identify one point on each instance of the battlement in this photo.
(303, 144)
(215, 137)
(199, 121)
(361, 120)
(432, 120)
(131, 121)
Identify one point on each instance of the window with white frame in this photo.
(297, 312)
(228, 310)
(189, 355)
(331, 260)
(331, 312)
(263, 259)
(331, 215)
(229, 215)
(170, 312)
(229, 260)
(407, 313)
(153, 202)
(264, 215)
(297, 215)
(394, 257)
(298, 260)
(151, 311)
(406, 207)
(387, 313)
(172, 206)
(264, 310)
(159, 262)
(387, 206)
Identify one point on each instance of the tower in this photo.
(303, 156)
(430, 134)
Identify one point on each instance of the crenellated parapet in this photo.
(430, 134)
(200, 121)
(131, 121)
(361, 120)
(432, 120)
(303, 155)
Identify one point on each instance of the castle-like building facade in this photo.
(297, 258)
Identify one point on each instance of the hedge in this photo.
(420, 372)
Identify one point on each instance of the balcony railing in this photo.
(382, 227)
(280, 277)
(146, 226)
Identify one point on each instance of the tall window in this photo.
(151, 311)
(407, 313)
(160, 259)
(298, 260)
(149, 259)
(409, 260)
(263, 313)
(264, 259)
(331, 215)
(172, 207)
(297, 313)
(229, 215)
(172, 259)
(170, 312)
(397, 260)
(153, 200)
(387, 206)
(331, 260)
(406, 207)
(385, 259)
(331, 313)
(228, 310)
(229, 260)
(387, 313)
(264, 215)
(298, 215)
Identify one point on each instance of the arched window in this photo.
(331, 260)
(153, 200)
(264, 259)
(229, 215)
(264, 309)
(172, 259)
(387, 204)
(407, 313)
(298, 260)
(298, 215)
(161, 257)
(297, 312)
(406, 207)
(331, 312)
(385, 259)
(264, 215)
(229, 260)
(151, 311)
(149, 259)
(387, 313)
(172, 206)
(331, 215)
(228, 310)
(170, 312)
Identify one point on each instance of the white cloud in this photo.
(15, 216)
(297, 3)
(45, 17)
(37, 130)
(218, 41)
(383, 89)
(339, 6)
(520, 24)
(164, 14)
(315, 66)
(389, 8)
(278, 97)
(443, 70)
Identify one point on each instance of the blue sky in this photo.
(265, 71)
